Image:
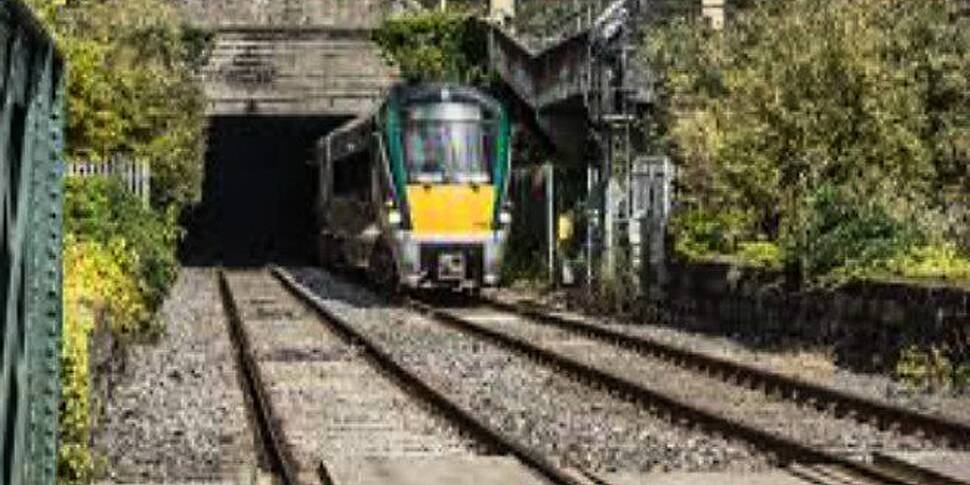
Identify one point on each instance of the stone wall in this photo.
(310, 71)
(293, 57)
(868, 323)
(347, 14)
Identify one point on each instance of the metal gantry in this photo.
(31, 191)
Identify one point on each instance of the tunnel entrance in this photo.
(258, 192)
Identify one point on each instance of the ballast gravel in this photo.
(327, 401)
(177, 412)
(752, 407)
(570, 423)
(811, 365)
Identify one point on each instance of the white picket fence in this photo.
(135, 175)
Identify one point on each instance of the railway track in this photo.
(886, 416)
(825, 465)
(287, 346)
(806, 461)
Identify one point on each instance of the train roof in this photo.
(351, 137)
(436, 92)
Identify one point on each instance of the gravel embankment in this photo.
(813, 365)
(178, 412)
(567, 421)
(779, 416)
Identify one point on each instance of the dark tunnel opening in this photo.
(258, 192)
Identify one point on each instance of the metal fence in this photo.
(136, 176)
(31, 191)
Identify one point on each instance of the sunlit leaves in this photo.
(870, 98)
(435, 46)
(132, 89)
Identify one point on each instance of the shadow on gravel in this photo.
(349, 287)
(750, 336)
(353, 288)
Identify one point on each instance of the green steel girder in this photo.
(31, 192)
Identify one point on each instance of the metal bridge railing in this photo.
(31, 174)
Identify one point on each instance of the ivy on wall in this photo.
(436, 45)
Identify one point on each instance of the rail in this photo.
(455, 412)
(955, 432)
(788, 450)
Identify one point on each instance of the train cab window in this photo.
(352, 178)
(448, 143)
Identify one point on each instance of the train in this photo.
(415, 193)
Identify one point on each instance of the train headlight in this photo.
(394, 218)
(505, 218)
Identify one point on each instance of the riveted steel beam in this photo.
(31, 139)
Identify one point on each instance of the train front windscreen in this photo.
(448, 143)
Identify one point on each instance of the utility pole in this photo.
(551, 220)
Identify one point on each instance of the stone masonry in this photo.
(293, 57)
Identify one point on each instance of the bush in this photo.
(616, 293)
(101, 211)
(931, 370)
(761, 254)
(435, 46)
(97, 290)
(941, 261)
(133, 88)
(700, 232)
(119, 261)
(842, 151)
(849, 235)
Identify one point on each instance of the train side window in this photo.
(351, 178)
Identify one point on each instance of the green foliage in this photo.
(961, 377)
(849, 234)
(940, 262)
(798, 104)
(119, 261)
(100, 210)
(761, 254)
(132, 89)
(931, 370)
(700, 232)
(97, 287)
(521, 266)
(435, 46)
(616, 292)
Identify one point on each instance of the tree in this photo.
(865, 102)
(132, 89)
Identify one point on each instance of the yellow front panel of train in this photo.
(451, 209)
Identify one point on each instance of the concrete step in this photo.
(284, 43)
(434, 471)
(771, 477)
(344, 13)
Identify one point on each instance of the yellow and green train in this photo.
(415, 193)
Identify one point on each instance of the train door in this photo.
(351, 215)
